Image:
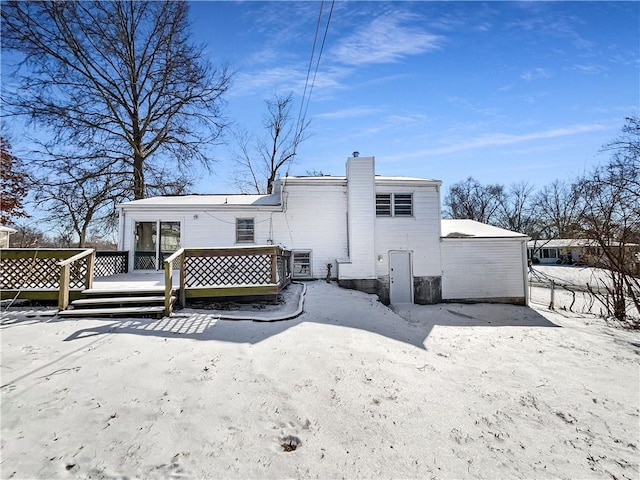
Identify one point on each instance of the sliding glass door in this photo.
(150, 249)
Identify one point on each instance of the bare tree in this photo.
(515, 212)
(117, 84)
(611, 217)
(28, 236)
(470, 199)
(14, 185)
(75, 199)
(558, 207)
(260, 161)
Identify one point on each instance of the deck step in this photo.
(118, 300)
(111, 292)
(113, 312)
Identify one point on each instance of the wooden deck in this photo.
(69, 276)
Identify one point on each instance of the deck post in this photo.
(168, 287)
(91, 261)
(63, 293)
(183, 290)
(274, 267)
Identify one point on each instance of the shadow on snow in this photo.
(330, 305)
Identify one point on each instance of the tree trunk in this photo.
(138, 176)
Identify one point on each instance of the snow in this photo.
(204, 201)
(470, 228)
(360, 391)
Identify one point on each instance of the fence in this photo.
(217, 272)
(45, 274)
(594, 299)
(109, 262)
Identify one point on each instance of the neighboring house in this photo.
(373, 233)
(5, 233)
(569, 251)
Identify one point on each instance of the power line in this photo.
(304, 104)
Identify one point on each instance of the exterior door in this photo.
(145, 255)
(150, 249)
(400, 288)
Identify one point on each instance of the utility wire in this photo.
(304, 104)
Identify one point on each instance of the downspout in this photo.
(121, 225)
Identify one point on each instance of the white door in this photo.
(400, 290)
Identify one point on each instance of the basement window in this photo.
(394, 205)
(301, 260)
(245, 232)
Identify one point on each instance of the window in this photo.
(403, 205)
(394, 205)
(301, 263)
(549, 253)
(244, 230)
(383, 205)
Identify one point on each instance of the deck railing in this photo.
(215, 272)
(111, 262)
(45, 273)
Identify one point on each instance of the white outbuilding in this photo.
(481, 262)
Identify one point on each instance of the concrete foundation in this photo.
(364, 285)
(383, 290)
(427, 290)
(509, 300)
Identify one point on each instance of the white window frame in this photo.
(309, 265)
(253, 230)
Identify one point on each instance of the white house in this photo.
(5, 233)
(373, 233)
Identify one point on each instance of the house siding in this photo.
(483, 269)
(310, 219)
(361, 220)
(314, 219)
(419, 234)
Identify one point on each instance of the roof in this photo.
(8, 230)
(245, 200)
(464, 228)
(571, 243)
(206, 200)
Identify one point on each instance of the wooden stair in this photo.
(148, 302)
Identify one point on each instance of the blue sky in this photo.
(499, 91)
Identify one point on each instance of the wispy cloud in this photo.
(354, 112)
(386, 39)
(535, 74)
(292, 76)
(499, 139)
(592, 69)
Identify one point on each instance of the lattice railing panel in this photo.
(227, 270)
(145, 261)
(29, 273)
(110, 263)
(39, 273)
(78, 273)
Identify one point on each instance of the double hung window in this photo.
(245, 232)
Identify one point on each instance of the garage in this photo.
(483, 263)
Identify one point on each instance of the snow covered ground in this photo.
(349, 389)
(570, 280)
(569, 275)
